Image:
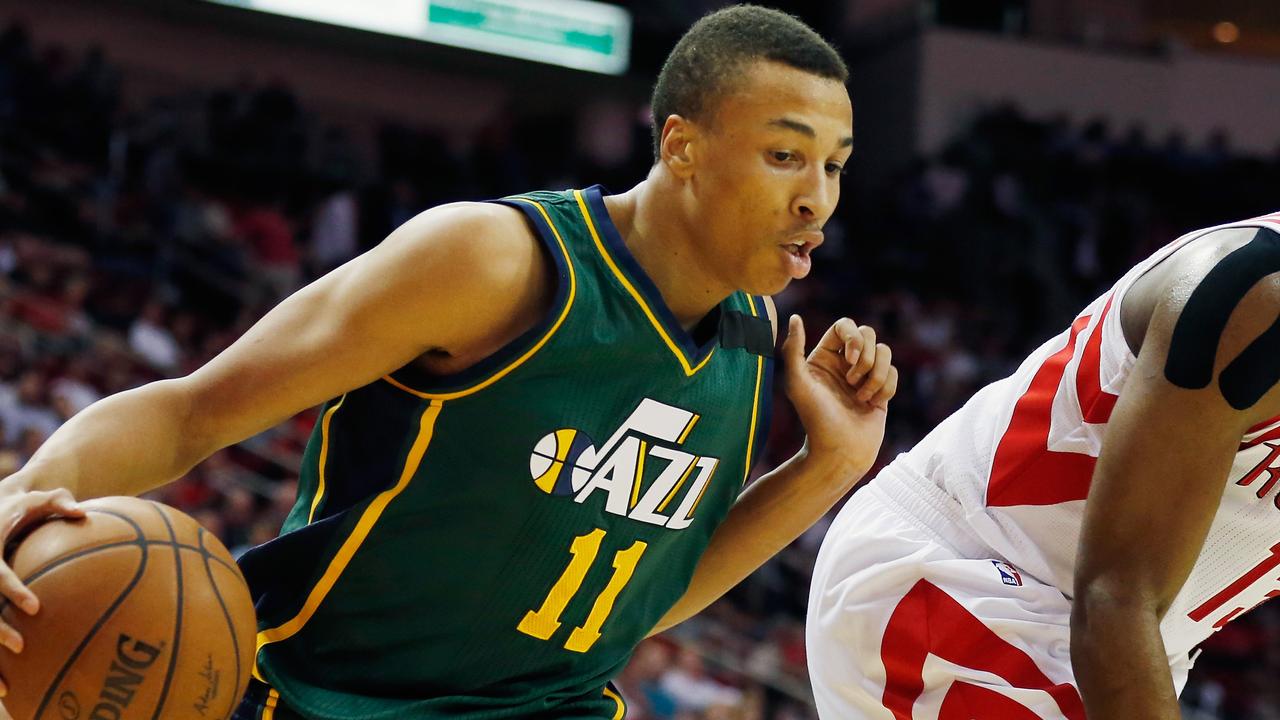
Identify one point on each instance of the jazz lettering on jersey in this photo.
(566, 462)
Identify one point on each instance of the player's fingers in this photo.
(841, 339)
(23, 510)
(867, 359)
(38, 505)
(875, 377)
(887, 391)
(63, 503)
(10, 637)
(15, 592)
(793, 346)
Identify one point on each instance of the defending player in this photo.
(540, 412)
(1084, 523)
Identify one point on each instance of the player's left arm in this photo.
(841, 392)
(1206, 372)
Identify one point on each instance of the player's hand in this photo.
(841, 391)
(18, 510)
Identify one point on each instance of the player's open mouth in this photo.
(798, 249)
(802, 243)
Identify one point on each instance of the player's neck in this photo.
(664, 243)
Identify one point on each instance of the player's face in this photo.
(766, 173)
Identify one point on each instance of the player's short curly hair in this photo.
(706, 61)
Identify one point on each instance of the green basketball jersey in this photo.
(494, 544)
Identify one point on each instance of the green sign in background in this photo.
(501, 19)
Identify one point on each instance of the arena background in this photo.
(171, 168)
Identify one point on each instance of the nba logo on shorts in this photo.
(1008, 574)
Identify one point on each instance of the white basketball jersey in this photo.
(1019, 458)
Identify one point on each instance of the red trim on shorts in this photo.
(928, 621)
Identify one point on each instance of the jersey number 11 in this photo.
(543, 622)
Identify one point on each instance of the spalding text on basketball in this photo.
(133, 659)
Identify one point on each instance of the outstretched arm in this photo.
(1165, 459)
(457, 278)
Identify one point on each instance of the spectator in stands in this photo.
(270, 236)
(692, 688)
(334, 229)
(28, 415)
(151, 339)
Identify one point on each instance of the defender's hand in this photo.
(841, 391)
(19, 509)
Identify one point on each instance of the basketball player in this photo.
(1061, 544)
(540, 412)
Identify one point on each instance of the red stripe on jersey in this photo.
(1095, 404)
(1271, 434)
(928, 621)
(965, 701)
(1241, 584)
(1025, 471)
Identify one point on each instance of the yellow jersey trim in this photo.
(689, 370)
(499, 374)
(688, 428)
(639, 474)
(755, 406)
(687, 472)
(689, 515)
(324, 456)
(426, 427)
(622, 706)
(269, 707)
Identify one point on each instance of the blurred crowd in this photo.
(138, 239)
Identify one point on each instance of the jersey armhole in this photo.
(418, 382)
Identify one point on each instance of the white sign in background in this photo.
(578, 34)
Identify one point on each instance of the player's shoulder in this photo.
(1227, 272)
(489, 243)
(1213, 322)
(1229, 277)
(484, 227)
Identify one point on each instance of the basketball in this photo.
(553, 453)
(143, 613)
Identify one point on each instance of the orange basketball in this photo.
(143, 614)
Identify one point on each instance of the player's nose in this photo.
(815, 200)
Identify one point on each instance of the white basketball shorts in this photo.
(910, 621)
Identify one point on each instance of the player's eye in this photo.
(782, 156)
(836, 169)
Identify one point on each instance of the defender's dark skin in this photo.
(1167, 450)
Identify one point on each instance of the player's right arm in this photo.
(459, 279)
(1196, 388)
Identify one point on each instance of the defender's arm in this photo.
(1206, 372)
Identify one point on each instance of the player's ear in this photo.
(676, 146)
